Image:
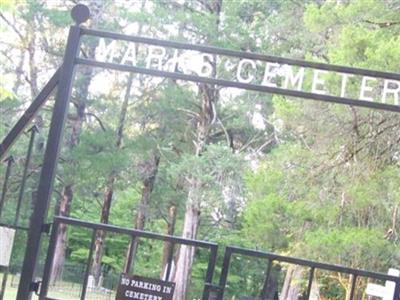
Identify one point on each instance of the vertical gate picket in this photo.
(88, 265)
(310, 281)
(169, 262)
(33, 131)
(10, 161)
(268, 274)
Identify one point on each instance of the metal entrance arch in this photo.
(63, 81)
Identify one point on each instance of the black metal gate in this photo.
(212, 290)
(310, 268)
(134, 234)
(63, 80)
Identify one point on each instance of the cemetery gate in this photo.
(187, 62)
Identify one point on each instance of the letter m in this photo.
(105, 52)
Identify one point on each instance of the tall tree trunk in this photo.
(191, 224)
(168, 246)
(209, 96)
(149, 171)
(96, 8)
(101, 234)
(348, 288)
(291, 287)
(63, 210)
(109, 190)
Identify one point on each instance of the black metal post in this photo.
(33, 131)
(210, 272)
(396, 295)
(9, 161)
(169, 262)
(4, 283)
(80, 14)
(310, 281)
(49, 260)
(224, 272)
(267, 275)
(88, 265)
(353, 285)
(129, 260)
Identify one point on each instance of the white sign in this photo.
(6, 245)
(251, 71)
(385, 292)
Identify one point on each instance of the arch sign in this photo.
(195, 63)
(245, 70)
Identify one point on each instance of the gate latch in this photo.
(46, 228)
(35, 287)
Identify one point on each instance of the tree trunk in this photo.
(273, 284)
(61, 240)
(109, 190)
(291, 287)
(100, 234)
(149, 173)
(348, 289)
(184, 264)
(96, 9)
(208, 115)
(168, 246)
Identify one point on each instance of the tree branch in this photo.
(12, 27)
(97, 119)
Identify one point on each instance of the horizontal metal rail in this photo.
(241, 54)
(133, 232)
(240, 85)
(29, 114)
(312, 264)
(16, 227)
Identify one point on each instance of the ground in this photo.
(63, 291)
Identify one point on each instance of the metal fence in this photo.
(134, 234)
(311, 266)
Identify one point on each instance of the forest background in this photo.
(307, 179)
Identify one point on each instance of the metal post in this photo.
(49, 260)
(9, 161)
(310, 281)
(169, 261)
(4, 283)
(353, 285)
(267, 276)
(80, 13)
(33, 131)
(224, 272)
(396, 295)
(88, 265)
(131, 252)
(210, 272)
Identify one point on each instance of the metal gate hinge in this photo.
(35, 287)
(46, 228)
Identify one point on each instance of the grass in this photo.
(62, 291)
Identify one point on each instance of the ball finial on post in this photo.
(80, 14)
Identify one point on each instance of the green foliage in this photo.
(351, 246)
(326, 187)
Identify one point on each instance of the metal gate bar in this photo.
(213, 248)
(29, 114)
(240, 54)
